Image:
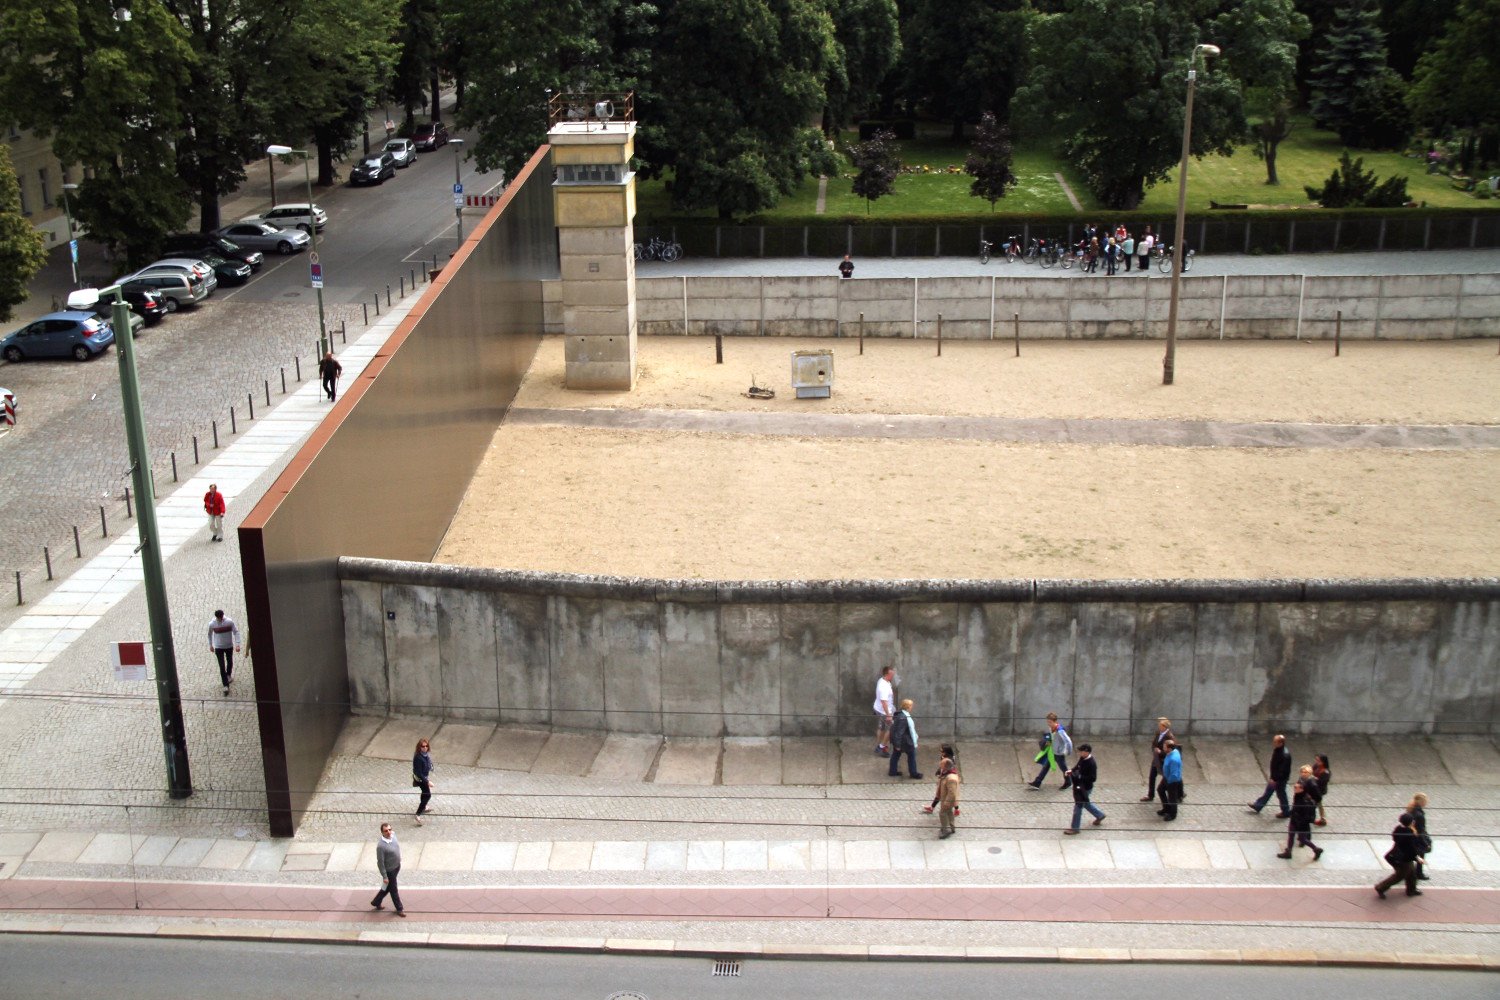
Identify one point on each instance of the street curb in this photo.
(657, 947)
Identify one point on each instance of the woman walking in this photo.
(947, 764)
(1322, 774)
(1299, 825)
(421, 776)
(1418, 809)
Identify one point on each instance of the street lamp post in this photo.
(68, 215)
(312, 227)
(458, 198)
(1178, 237)
(163, 653)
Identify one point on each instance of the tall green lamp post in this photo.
(277, 150)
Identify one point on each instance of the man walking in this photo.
(846, 267)
(1280, 772)
(388, 862)
(1084, 774)
(1056, 746)
(330, 370)
(904, 741)
(224, 640)
(885, 709)
(1143, 249)
(1158, 751)
(213, 505)
(1171, 781)
(1402, 857)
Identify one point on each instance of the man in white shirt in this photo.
(885, 709)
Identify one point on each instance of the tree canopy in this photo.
(22, 251)
(1457, 83)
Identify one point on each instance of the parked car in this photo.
(292, 215)
(175, 288)
(402, 151)
(147, 305)
(193, 265)
(264, 236)
(430, 135)
(198, 244)
(373, 169)
(229, 272)
(68, 334)
(195, 269)
(105, 310)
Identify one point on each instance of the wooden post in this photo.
(861, 333)
(718, 348)
(1338, 331)
(1016, 318)
(940, 335)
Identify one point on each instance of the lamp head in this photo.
(278, 150)
(84, 299)
(1208, 50)
(70, 187)
(455, 142)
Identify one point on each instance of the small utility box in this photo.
(812, 374)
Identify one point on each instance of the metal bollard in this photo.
(940, 335)
(268, 392)
(387, 296)
(343, 335)
(861, 333)
(298, 361)
(250, 400)
(19, 598)
(47, 555)
(195, 450)
(103, 523)
(1016, 318)
(1338, 331)
(215, 424)
(283, 380)
(174, 466)
(366, 310)
(402, 280)
(129, 513)
(377, 305)
(233, 425)
(413, 274)
(77, 545)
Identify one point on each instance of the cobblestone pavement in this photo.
(67, 455)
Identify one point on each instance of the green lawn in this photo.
(1308, 156)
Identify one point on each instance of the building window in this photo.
(46, 188)
(590, 173)
(25, 202)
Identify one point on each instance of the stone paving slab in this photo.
(397, 739)
(568, 753)
(513, 749)
(688, 762)
(460, 743)
(754, 760)
(625, 758)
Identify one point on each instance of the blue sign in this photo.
(73, 249)
(458, 189)
(317, 275)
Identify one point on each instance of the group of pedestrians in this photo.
(1117, 250)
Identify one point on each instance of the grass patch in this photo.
(1307, 157)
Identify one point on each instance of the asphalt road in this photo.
(39, 967)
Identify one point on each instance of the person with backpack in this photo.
(1402, 857)
(948, 761)
(948, 797)
(1171, 781)
(1056, 745)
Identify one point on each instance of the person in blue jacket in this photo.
(421, 776)
(1171, 781)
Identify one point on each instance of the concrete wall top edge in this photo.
(868, 591)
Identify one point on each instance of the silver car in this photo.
(402, 151)
(197, 270)
(264, 236)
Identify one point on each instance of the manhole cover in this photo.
(627, 995)
(994, 850)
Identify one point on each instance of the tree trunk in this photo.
(958, 128)
(1270, 151)
(437, 99)
(325, 157)
(208, 201)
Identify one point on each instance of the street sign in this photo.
(458, 201)
(73, 249)
(458, 189)
(129, 661)
(316, 270)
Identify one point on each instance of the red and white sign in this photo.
(129, 661)
(480, 200)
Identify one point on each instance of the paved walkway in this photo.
(1040, 430)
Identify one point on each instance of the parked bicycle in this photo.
(984, 251)
(1011, 249)
(1049, 252)
(1164, 258)
(658, 249)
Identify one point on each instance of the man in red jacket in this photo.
(213, 503)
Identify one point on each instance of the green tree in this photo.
(1259, 39)
(1457, 83)
(989, 162)
(419, 41)
(868, 37)
(1352, 186)
(1351, 64)
(962, 59)
(877, 163)
(1412, 27)
(1113, 85)
(740, 81)
(107, 93)
(22, 249)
